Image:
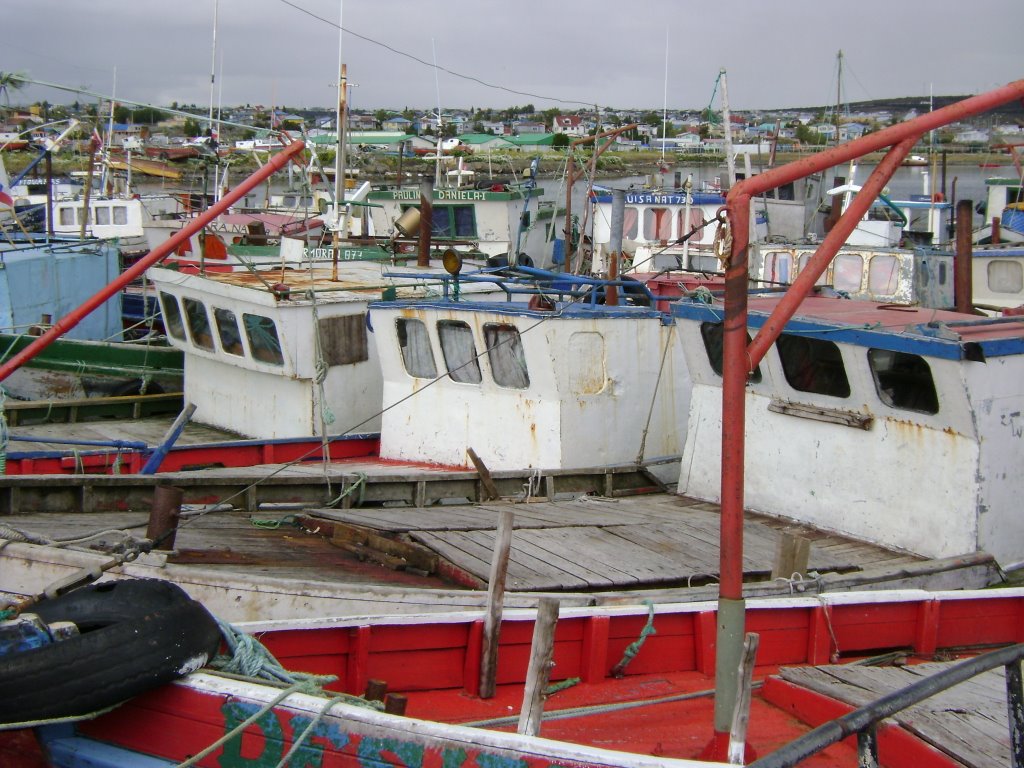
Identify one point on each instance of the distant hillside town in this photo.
(523, 129)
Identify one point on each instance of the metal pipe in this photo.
(818, 263)
(72, 319)
(963, 288)
(426, 223)
(738, 361)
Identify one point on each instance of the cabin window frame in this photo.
(197, 321)
(228, 333)
(878, 262)
(813, 366)
(458, 349)
(174, 321)
(713, 337)
(264, 340)
(896, 388)
(844, 267)
(1014, 276)
(657, 224)
(506, 355)
(101, 215)
(344, 339)
(415, 348)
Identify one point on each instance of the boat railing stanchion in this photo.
(539, 671)
(495, 603)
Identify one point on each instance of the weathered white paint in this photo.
(594, 380)
(937, 485)
(261, 400)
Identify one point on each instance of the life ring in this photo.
(135, 635)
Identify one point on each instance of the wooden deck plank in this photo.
(968, 721)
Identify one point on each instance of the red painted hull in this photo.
(243, 453)
(435, 665)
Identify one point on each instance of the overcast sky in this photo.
(551, 53)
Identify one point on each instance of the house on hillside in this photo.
(396, 124)
(522, 127)
(570, 125)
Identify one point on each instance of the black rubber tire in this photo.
(139, 650)
(109, 602)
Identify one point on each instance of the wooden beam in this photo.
(485, 476)
(495, 603)
(539, 671)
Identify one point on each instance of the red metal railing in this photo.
(739, 357)
(74, 317)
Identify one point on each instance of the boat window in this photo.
(657, 224)
(227, 330)
(459, 351)
(813, 365)
(263, 340)
(453, 221)
(822, 278)
(585, 363)
(67, 216)
(847, 272)
(883, 274)
(903, 380)
(713, 336)
(172, 316)
(630, 222)
(102, 214)
(505, 352)
(198, 324)
(343, 339)
(777, 266)
(785, 192)
(686, 226)
(415, 345)
(120, 214)
(1005, 276)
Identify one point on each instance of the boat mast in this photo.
(339, 154)
(664, 103)
(213, 80)
(730, 161)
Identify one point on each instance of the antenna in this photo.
(440, 133)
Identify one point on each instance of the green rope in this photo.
(556, 687)
(634, 648)
(272, 525)
(359, 484)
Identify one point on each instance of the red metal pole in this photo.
(73, 318)
(738, 359)
(829, 247)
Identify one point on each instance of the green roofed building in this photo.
(533, 142)
(486, 142)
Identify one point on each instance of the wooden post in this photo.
(495, 603)
(539, 670)
(375, 690)
(791, 556)
(741, 712)
(485, 476)
(426, 224)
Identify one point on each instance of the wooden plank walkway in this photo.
(968, 721)
(594, 543)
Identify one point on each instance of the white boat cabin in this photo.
(885, 275)
(495, 218)
(282, 353)
(997, 277)
(566, 386)
(894, 425)
(1004, 200)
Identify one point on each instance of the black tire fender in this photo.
(126, 647)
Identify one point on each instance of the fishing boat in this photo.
(630, 686)
(497, 218)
